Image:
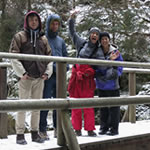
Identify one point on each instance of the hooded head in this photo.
(32, 24)
(94, 34)
(52, 25)
(29, 15)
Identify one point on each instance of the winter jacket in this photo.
(85, 49)
(108, 79)
(31, 42)
(56, 42)
(82, 82)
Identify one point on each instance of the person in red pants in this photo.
(82, 84)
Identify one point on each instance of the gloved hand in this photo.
(111, 73)
(89, 72)
(79, 75)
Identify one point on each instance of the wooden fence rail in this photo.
(66, 136)
(70, 103)
(70, 60)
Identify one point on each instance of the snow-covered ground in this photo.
(126, 129)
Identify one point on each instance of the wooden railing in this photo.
(66, 135)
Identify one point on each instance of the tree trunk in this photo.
(29, 5)
(73, 4)
(4, 2)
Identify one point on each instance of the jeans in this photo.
(49, 92)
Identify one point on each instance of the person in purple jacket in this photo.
(107, 83)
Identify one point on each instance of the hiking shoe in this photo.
(91, 133)
(112, 132)
(55, 133)
(78, 132)
(102, 132)
(35, 137)
(20, 139)
(44, 136)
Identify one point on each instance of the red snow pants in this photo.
(82, 85)
(89, 119)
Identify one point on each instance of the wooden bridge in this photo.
(131, 137)
(66, 137)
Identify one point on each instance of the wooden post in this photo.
(68, 131)
(60, 93)
(132, 92)
(3, 95)
(65, 133)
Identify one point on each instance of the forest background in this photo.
(128, 22)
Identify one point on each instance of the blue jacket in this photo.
(108, 79)
(56, 43)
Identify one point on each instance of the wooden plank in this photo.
(3, 95)
(135, 142)
(132, 92)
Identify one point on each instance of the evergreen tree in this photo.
(125, 20)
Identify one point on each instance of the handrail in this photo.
(70, 60)
(136, 70)
(70, 103)
(4, 64)
(125, 70)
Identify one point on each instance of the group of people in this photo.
(37, 79)
(82, 82)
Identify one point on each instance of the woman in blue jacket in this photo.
(107, 83)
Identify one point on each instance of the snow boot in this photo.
(91, 133)
(20, 139)
(78, 132)
(112, 132)
(102, 131)
(36, 138)
(44, 136)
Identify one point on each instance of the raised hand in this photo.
(73, 13)
(114, 55)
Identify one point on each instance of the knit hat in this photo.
(102, 34)
(94, 29)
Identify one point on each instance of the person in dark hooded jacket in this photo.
(58, 46)
(31, 73)
(82, 83)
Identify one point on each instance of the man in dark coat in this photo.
(31, 73)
